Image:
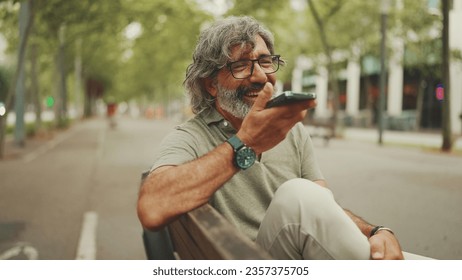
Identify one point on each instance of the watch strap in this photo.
(235, 142)
(244, 156)
(376, 229)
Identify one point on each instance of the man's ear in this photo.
(210, 86)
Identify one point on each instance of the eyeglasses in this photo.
(243, 69)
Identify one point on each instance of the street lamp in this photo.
(384, 9)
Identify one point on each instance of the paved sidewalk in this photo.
(416, 139)
(13, 151)
(36, 143)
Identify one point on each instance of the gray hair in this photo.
(213, 51)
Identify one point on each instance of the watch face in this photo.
(245, 157)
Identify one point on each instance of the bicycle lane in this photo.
(75, 195)
(42, 190)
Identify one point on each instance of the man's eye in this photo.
(240, 65)
(265, 61)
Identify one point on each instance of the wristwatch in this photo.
(244, 156)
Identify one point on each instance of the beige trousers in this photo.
(304, 222)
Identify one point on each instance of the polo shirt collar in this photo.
(212, 117)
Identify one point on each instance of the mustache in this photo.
(242, 90)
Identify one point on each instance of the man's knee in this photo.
(297, 194)
(306, 216)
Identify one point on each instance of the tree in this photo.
(446, 131)
(26, 20)
(341, 35)
(155, 68)
(346, 25)
(327, 49)
(65, 24)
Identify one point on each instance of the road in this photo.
(87, 169)
(416, 192)
(74, 196)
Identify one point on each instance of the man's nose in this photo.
(258, 75)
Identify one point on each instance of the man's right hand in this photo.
(262, 128)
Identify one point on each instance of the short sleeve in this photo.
(310, 168)
(176, 148)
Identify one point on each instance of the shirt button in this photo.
(225, 123)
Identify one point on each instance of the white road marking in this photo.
(30, 252)
(87, 243)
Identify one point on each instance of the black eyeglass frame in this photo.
(273, 56)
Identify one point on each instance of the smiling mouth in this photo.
(249, 92)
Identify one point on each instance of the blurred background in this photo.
(88, 89)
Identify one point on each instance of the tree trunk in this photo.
(333, 83)
(419, 105)
(62, 88)
(78, 79)
(20, 64)
(369, 102)
(446, 126)
(35, 91)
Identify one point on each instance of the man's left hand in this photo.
(385, 246)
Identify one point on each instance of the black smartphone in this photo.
(288, 97)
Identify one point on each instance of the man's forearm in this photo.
(171, 191)
(364, 226)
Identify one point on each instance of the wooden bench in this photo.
(202, 234)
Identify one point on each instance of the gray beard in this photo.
(233, 102)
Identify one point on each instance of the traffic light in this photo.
(49, 101)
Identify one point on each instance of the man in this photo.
(254, 165)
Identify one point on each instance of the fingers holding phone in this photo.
(290, 97)
(263, 97)
(270, 119)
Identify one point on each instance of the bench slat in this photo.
(208, 235)
(184, 244)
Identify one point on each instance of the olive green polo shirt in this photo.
(244, 199)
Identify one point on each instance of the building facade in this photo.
(413, 100)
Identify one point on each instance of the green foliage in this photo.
(162, 52)
(356, 24)
(456, 55)
(31, 129)
(152, 65)
(95, 31)
(420, 29)
(9, 20)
